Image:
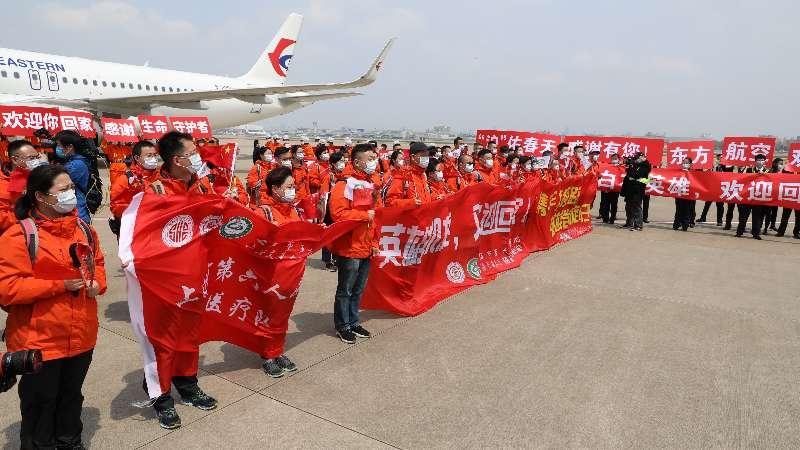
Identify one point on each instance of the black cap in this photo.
(417, 147)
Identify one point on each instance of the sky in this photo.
(679, 67)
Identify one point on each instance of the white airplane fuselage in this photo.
(35, 78)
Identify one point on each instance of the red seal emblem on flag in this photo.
(178, 231)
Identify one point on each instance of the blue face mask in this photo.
(60, 152)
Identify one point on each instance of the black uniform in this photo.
(757, 210)
(720, 205)
(633, 191)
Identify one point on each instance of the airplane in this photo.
(121, 90)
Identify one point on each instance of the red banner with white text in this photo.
(742, 151)
(700, 152)
(153, 127)
(80, 121)
(25, 120)
(198, 127)
(118, 130)
(793, 161)
(531, 144)
(624, 147)
(430, 253)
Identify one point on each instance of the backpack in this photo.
(94, 188)
(31, 233)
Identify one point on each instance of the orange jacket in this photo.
(439, 190)
(222, 181)
(124, 188)
(359, 242)
(255, 179)
(462, 180)
(405, 190)
(4, 158)
(163, 183)
(279, 212)
(300, 175)
(42, 314)
(487, 175)
(317, 173)
(7, 201)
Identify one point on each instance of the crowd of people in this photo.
(46, 207)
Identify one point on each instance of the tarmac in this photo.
(620, 339)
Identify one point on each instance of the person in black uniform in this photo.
(771, 212)
(757, 210)
(637, 169)
(609, 200)
(720, 205)
(785, 214)
(683, 206)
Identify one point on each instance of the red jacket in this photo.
(359, 242)
(279, 212)
(125, 187)
(405, 190)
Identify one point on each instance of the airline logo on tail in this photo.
(280, 62)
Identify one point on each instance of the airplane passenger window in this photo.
(104, 84)
(85, 82)
(4, 74)
(139, 86)
(130, 86)
(113, 84)
(74, 81)
(163, 89)
(16, 75)
(170, 89)
(94, 82)
(122, 85)
(146, 87)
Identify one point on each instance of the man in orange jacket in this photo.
(24, 158)
(466, 174)
(144, 166)
(486, 166)
(413, 189)
(354, 199)
(178, 176)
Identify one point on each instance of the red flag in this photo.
(205, 268)
(793, 161)
(25, 120)
(220, 155)
(623, 146)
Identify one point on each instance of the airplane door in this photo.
(35, 79)
(52, 81)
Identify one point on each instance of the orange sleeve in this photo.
(17, 283)
(395, 196)
(241, 192)
(121, 195)
(314, 178)
(340, 207)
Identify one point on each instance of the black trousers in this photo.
(633, 210)
(608, 206)
(770, 217)
(785, 214)
(683, 214)
(51, 402)
(185, 387)
(758, 219)
(720, 211)
(729, 214)
(645, 207)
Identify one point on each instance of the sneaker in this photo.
(199, 400)
(331, 267)
(646, 221)
(285, 363)
(168, 419)
(272, 368)
(359, 331)
(726, 227)
(347, 336)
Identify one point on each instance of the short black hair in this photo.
(277, 177)
(170, 145)
(258, 153)
(137, 149)
(485, 151)
(523, 160)
(462, 156)
(280, 151)
(319, 150)
(395, 154)
(455, 141)
(40, 180)
(432, 163)
(562, 145)
(359, 149)
(417, 147)
(336, 157)
(14, 147)
(69, 137)
(578, 146)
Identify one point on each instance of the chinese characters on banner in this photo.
(701, 153)
(483, 137)
(25, 120)
(118, 130)
(742, 151)
(531, 144)
(153, 127)
(429, 253)
(793, 161)
(198, 127)
(774, 189)
(80, 121)
(624, 147)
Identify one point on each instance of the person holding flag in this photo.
(144, 166)
(24, 157)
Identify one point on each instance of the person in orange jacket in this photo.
(553, 174)
(116, 153)
(283, 158)
(354, 199)
(436, 181)
(265, 162)
(144, 166)
(4, 158)
(467, 176)
(178, 175)
(51, 306)
(411, 190)
(300, 172)
(226, 184)
(319, 170)
(485, 165)
(23, 157)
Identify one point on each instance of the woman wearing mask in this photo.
(23, 157)
(553, 173)
(265, 162)
(337, 172)
(319, 169)
(67, 144)
(51, 306)
(436, 182)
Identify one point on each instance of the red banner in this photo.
(793, 161)
(240, 287)
(742, 151)
(483, 137)
(430, 253)
(198, 127)
(118, 130)
(82, 122)
(531, 144)
(153, 127)
(701, 153)
(771, 189)
(625, 147)
(220, 155)
(25, 120)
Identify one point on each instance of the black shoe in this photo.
(739, 234)
(624, 226)
(168, 419)
(199, 400)
(331, 267)
(684, 228)
(359, 331)
(796, 236)
(773, 228)
(766, 232)
(758, 238)
(726, 227)
(638, 228)
(701, 220)
(286, 364)
(691, 225)
(347, 336)
(779, 234)
(272, 368)
(646, 221)
(719, 224)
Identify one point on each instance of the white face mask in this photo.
(324, 157)
(556, 167)
(438, 155)
(288, 195)
(488, 163)
(34, 163)
(300, 155)
(268, 157)
(595, 156)
(287, 163)
(759, 164)
(150, 163)
(686, 166)
(196, 163)
(400, 163)
(513, 166)
(66, 201)
(455, 154)
(615, 161)
(423, 161)
(528, 167)
(339, 166)
(468, 168)
(370, 167)
(438, 175)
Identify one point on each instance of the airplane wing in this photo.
(254, 95)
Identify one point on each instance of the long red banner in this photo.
(428, 254)
(773, 189)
